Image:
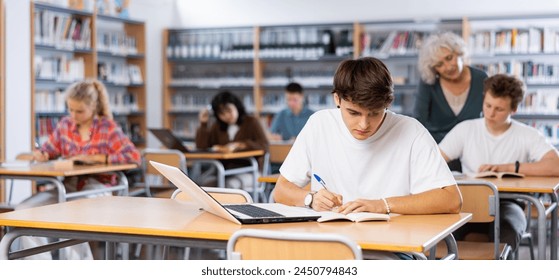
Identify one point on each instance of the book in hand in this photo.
(500, 175)
(354, 217)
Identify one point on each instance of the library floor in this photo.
(198, 254)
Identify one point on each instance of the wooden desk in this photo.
(48, 172)
(216, 158)
(523, 188)
(270, 179)
(175, 223)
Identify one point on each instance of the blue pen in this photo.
(339, 203)
(320, 181)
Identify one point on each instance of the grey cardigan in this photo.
(434, 112)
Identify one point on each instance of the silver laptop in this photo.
(255, 213)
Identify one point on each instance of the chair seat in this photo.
(469, 250)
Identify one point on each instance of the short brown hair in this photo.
(502, 86)
(365, 82)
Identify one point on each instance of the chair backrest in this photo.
(152, 177)
(170, 157)
(224, 196)
(253, 244)
(278, 152)
(481, 198)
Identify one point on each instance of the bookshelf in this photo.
(2, 92)
(121, 65)
(397, 43)
(199, 63)
(207, 60)
(306, 54)
(527, 47)
(256, 63)
(69, 45)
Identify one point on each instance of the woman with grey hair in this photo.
(449, 91)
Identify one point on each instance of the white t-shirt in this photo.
(471, 142)
(401, 158)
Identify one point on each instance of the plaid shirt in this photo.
(106, 138)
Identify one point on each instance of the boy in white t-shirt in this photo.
(498, 143)
(369, 159)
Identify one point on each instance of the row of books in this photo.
(60, 68)
(61, 30)
(299, 43)
(185, 127)
(391, 43)
(542, 102)
(224, 44)
(209, 52)
(303, 52)
(184, 102)
(50, 101)
(119, 73)
(550, 129)
(305, 35)
(53, 101)
(515, 41)
(132, 129)
(530, 72)
(190, 102)
(116, 42)
(123, 102)
(44, 126)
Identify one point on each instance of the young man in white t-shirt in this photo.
(498, 143)
(369, 159)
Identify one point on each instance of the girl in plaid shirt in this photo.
(88, 134)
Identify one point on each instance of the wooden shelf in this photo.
(92, 56)
(2, 93)
(275, 62)
(246, 49)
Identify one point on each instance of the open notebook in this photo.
(255, 213)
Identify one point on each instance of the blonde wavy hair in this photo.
(91, 93)
(429, 49)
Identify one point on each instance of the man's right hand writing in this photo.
(323, 200)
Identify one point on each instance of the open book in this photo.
(16, 164)
(499, 175)
(354, 217)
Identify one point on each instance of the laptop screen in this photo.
(168, 139)
(206, 202)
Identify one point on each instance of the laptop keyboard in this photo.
(253, 211)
